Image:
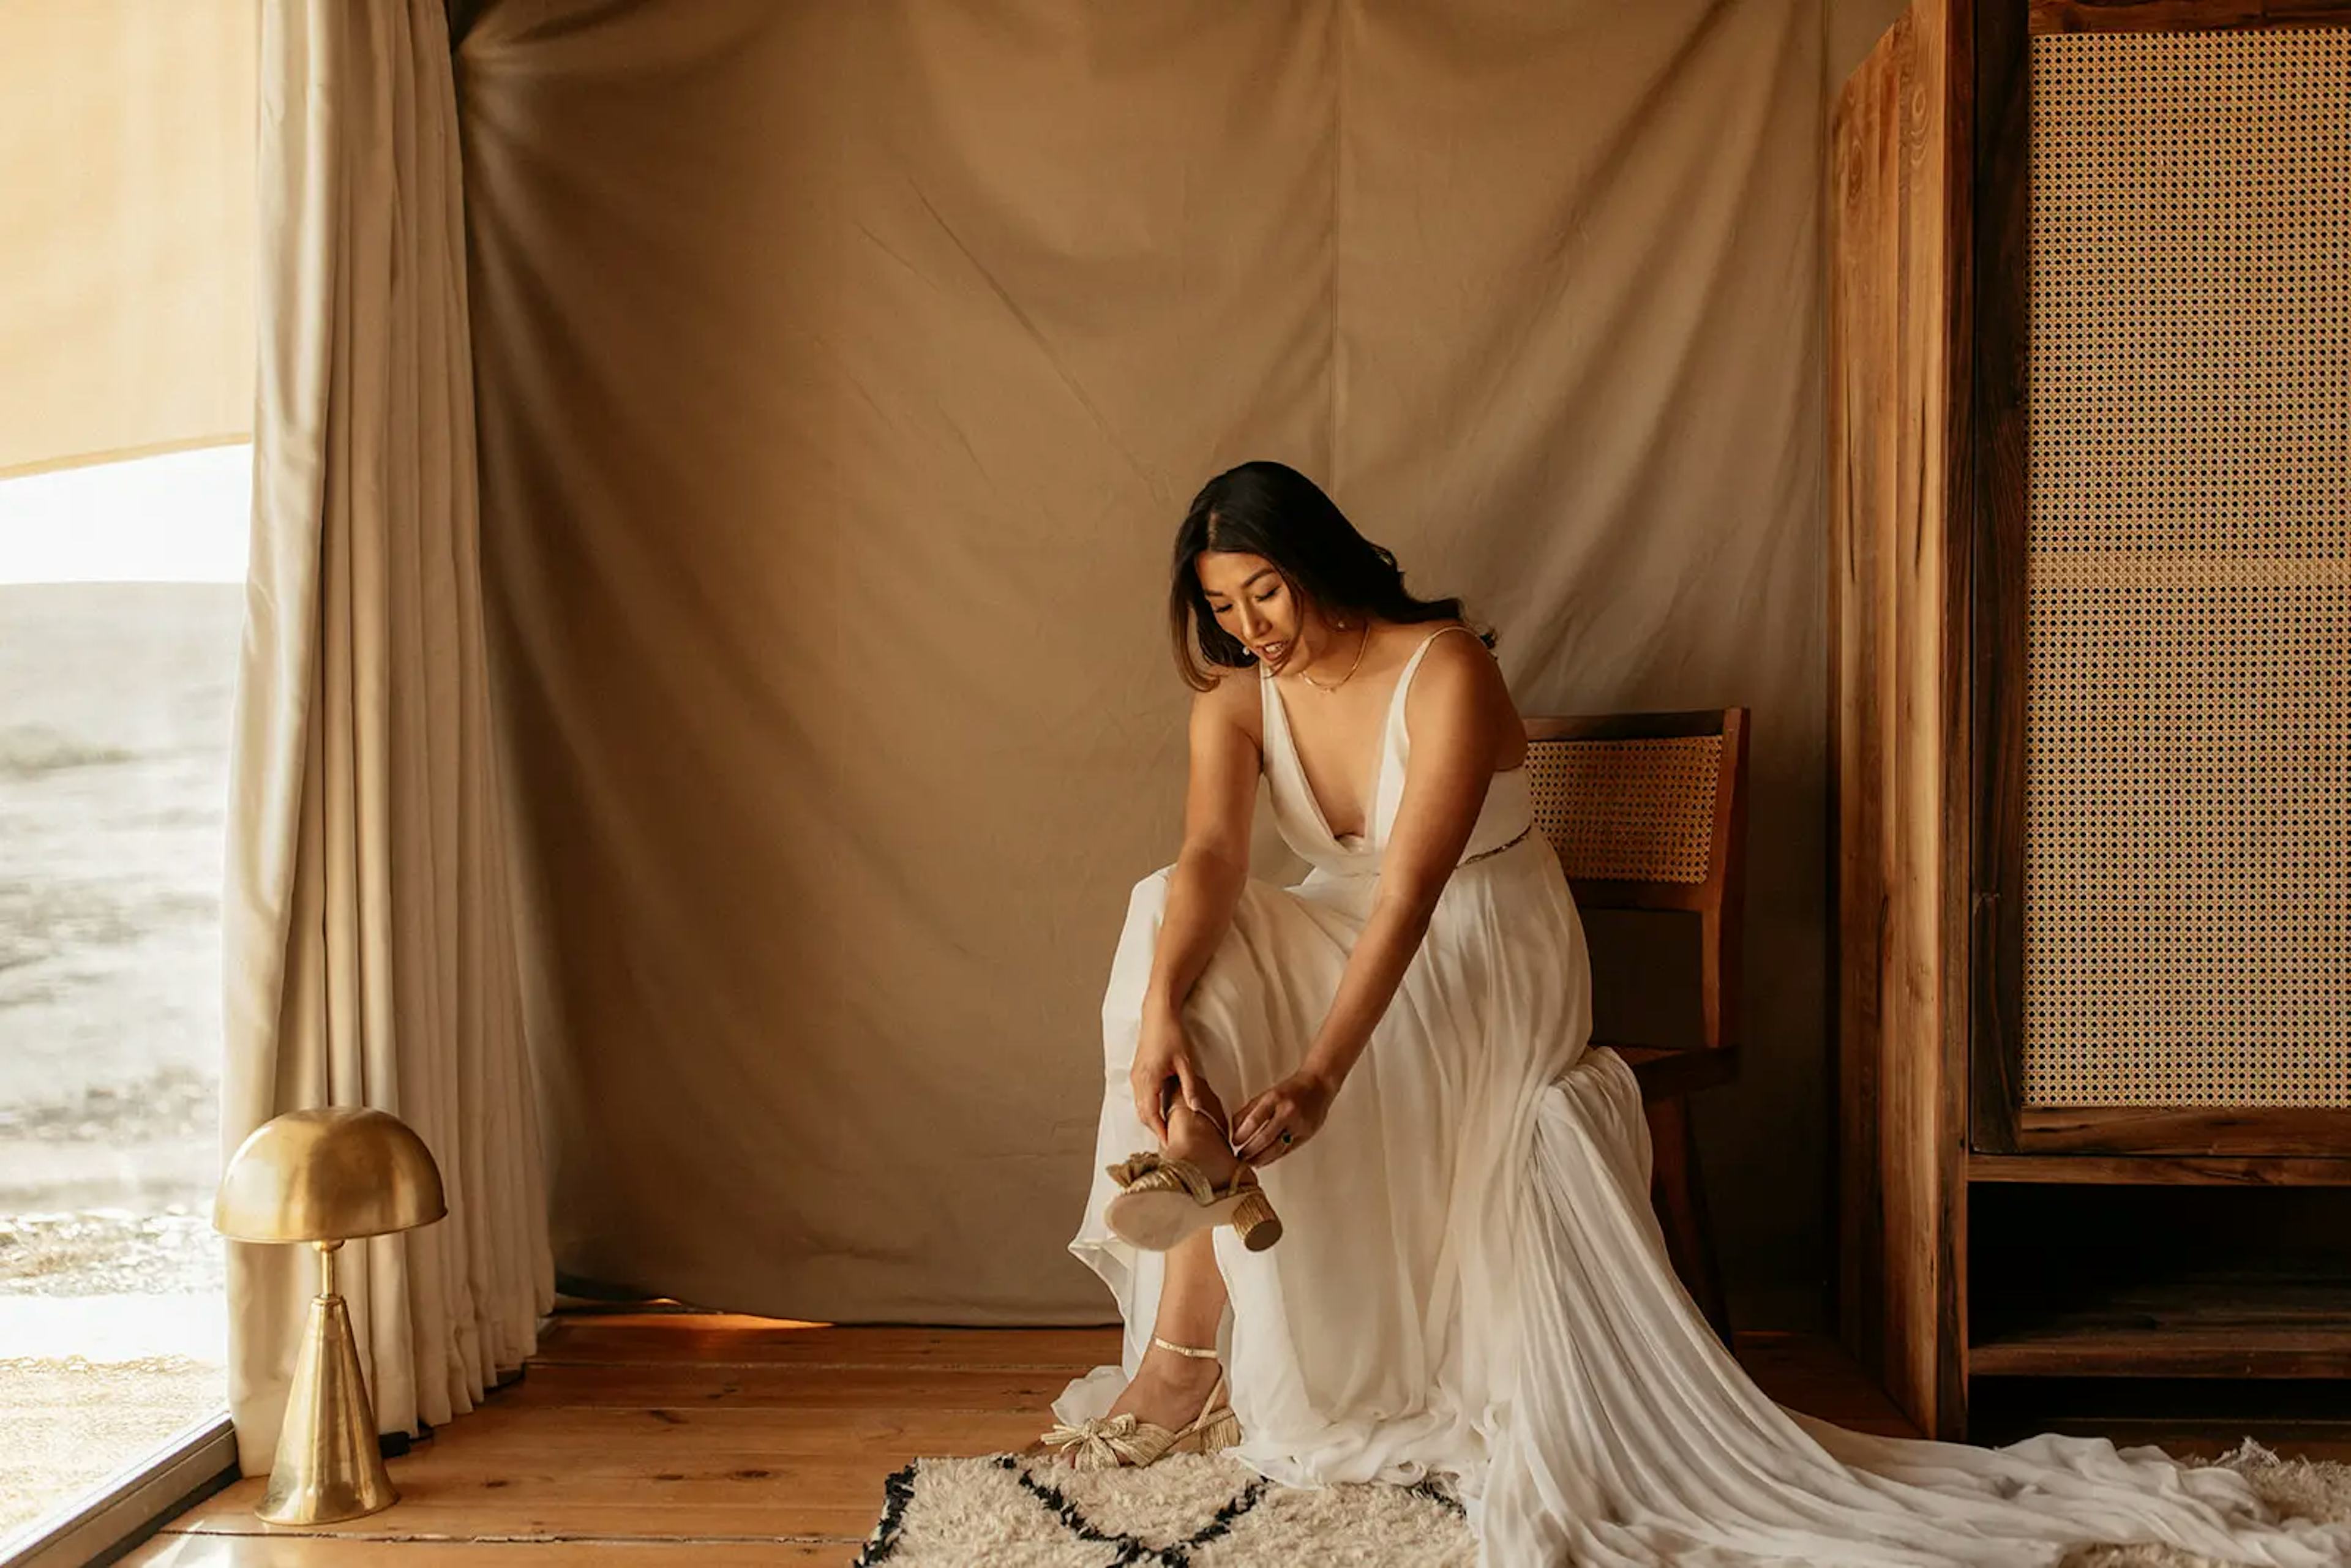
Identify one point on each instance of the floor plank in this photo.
(337, 1552)
(828, 1502)
(726, 1338)
(502, 1429)
(637, 1385)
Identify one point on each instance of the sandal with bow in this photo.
(1163, 1200)
(1109, 1442)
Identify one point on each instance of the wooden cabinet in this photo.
(2090, 613)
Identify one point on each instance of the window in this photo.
(120, 615)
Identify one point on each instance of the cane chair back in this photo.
(1647, 810)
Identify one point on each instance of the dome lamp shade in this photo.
(326, 1176)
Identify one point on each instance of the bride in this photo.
(1371, 1208)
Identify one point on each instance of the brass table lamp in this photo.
(326, 1176)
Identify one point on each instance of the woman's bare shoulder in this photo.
(1466, 653)
(1234, 702)
(1459, 674)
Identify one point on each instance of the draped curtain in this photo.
(369, 933)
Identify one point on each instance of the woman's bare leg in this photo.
(1168, 1389)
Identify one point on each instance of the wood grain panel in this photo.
(2175, 1328)
(1897, 715)
(2000, 277)
(2307, 1131)
(2184, 15)
(2160, 1170)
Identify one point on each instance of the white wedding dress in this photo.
(1470, 1283)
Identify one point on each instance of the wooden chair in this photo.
(1648, 810)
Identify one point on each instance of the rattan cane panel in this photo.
(1635, 811)
(2188, 683)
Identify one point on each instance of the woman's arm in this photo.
(1203, 891)
(1459, 713)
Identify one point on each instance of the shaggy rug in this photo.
(1191, 1511)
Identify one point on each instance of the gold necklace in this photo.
(1362, 643)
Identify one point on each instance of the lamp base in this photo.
(329, 1464)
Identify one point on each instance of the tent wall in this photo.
(127, 154)
(844, 372)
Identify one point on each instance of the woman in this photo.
(1371, 1210)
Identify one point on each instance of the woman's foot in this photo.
(1168, 1390)
(1200, 1138)
(1192, 1183)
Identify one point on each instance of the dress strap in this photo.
(1441, 630)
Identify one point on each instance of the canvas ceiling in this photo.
(844, 372)
(126, 238)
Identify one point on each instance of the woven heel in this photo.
(1259, 1226)
(1215, 1427)
(1222, 1432)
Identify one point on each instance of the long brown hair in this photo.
(1273, 510)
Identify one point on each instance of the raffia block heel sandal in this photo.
(1108, 1442)
(1164, 1201)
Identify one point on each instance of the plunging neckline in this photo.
(1352, 841)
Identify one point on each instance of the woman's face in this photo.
(1252, 601)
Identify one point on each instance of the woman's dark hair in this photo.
(1273, 510)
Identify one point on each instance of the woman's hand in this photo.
(1161, 1053)
(1278, 1120)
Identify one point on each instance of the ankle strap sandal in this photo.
(1111, 1442)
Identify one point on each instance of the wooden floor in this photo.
(698, 1440)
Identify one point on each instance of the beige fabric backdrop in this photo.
(126, 232)
(844, 372)
(367, 921)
